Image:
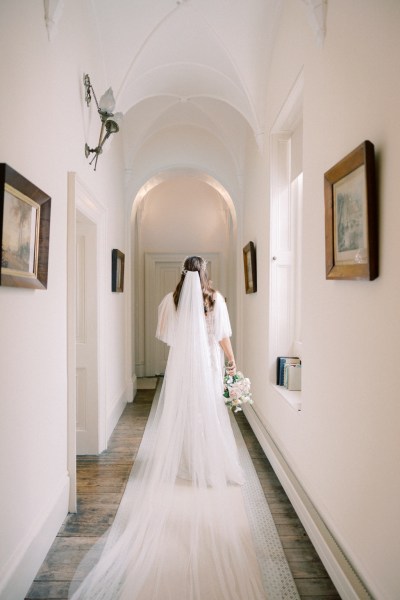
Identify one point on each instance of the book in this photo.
(292, 377)
(280, 366)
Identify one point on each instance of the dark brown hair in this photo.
(196, 263)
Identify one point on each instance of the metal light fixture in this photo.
(110, 122)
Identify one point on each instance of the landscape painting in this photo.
(350, 219)
(21, 217)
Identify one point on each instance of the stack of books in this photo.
(288, 372)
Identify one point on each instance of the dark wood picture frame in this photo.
(117, 271)
(351, 216)
(24, 231)
(250, 268)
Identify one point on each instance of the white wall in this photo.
(44, 125)
(185, 214)
(344, 445)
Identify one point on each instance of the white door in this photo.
(162, 273)
(86, 337)
(167, 276)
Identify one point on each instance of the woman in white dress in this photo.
(200, 366)
(181, 532)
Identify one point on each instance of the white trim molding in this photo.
(347, 581)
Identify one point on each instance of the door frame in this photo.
(80, 199)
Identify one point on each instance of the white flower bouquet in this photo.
(237, 391)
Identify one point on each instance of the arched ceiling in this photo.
(187, 65)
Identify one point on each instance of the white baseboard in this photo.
(134, 387)
(140, 370)
(343, 575)
(17, 575)
(127, 396)
(116, 412)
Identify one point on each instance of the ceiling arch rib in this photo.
(188, 81)
(233, 38)
(125, 32)
(188, 148)
(131, 156)
(182, 37)
(181, 43)
(211, 53)
(221, 121)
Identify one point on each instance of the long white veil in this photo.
(181, 531)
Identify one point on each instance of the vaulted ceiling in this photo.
(190, 77)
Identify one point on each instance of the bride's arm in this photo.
(226, 346)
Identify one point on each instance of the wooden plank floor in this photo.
(101, 482)
(310, 576)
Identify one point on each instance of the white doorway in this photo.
(162, 273)
(86, 266)
(86, 337)
(167, 275)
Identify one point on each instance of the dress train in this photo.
(181, 531)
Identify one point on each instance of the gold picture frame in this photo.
(250, 268)
(351, 216)
(24, 231)
(117, 270)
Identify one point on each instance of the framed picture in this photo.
(24, 231)
(117, 271)
(351, 226)
(250, 268)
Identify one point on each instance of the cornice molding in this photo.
(316, 10)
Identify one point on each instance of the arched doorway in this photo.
(174, 214)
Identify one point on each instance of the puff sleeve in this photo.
(222, 325)
(166, 320)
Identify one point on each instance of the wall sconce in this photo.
(110, 122)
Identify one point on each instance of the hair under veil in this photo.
(173, 535)
(197, 263)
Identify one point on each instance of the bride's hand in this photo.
(230, 367)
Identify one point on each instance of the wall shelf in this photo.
(292, 397)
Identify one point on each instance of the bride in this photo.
(181, 531)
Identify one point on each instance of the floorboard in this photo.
(101, 482)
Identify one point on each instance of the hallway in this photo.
(101, 483)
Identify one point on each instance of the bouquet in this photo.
(237, 391)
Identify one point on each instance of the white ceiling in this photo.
(198, 66)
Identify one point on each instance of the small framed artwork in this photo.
(24, 231)
(250, 268)
(351, 216)
(117, 271)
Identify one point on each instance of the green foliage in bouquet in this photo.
(237, 391)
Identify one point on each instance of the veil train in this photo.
(181, 530)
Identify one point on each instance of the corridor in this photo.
(101, 483)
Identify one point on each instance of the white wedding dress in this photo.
(181, 532)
